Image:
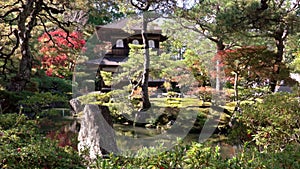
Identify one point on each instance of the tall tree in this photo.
(294, 53)
(202, 18)
(271, 19)
(248, 62)
(146, 6)
(195, 50)
(104, 11)
(20, 18)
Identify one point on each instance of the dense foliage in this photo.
(248, 41)
(60, 51)
(199, 156)
(270, 125)
(22, 146)
(249, 62)
(30, 103)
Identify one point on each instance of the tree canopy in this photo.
(20, 20)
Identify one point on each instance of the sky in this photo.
(189, 3)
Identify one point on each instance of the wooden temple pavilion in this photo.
(116, 38)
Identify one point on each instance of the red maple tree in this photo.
(59, 51)
(246, 61)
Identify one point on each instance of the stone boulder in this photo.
(96, 132)
(76, 106)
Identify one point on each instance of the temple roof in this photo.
(108, 61)
(134, 23)
(127, 27)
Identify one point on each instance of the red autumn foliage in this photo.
(64, 138)
(59, 51)
(247, 61)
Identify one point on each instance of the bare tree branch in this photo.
(8, 6)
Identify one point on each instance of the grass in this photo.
(177, 102)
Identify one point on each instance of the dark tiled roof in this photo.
(127, 27)
(108, 61)
(134, 23)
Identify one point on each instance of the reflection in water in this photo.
(134, 132)
(124, 132)
(226, 150)
(142, 132)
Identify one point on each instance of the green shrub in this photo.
(252, 93)
(253, 158)
(23, 147)
(189, 156)
(270, 124)
(34, 104)
(95, 98)
(28, 102)
(203, 156)
(9, 100)
(11, 120)
(53, 84)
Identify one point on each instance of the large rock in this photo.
(96, 132)
(76, 106)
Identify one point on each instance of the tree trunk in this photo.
(220, 47)
(18, 83)
(30, 12)
(236, 94)
(145, 95)
(99, 82)
(279, 39)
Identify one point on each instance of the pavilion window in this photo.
(120, 43)
(151, 44)
(135, 41)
